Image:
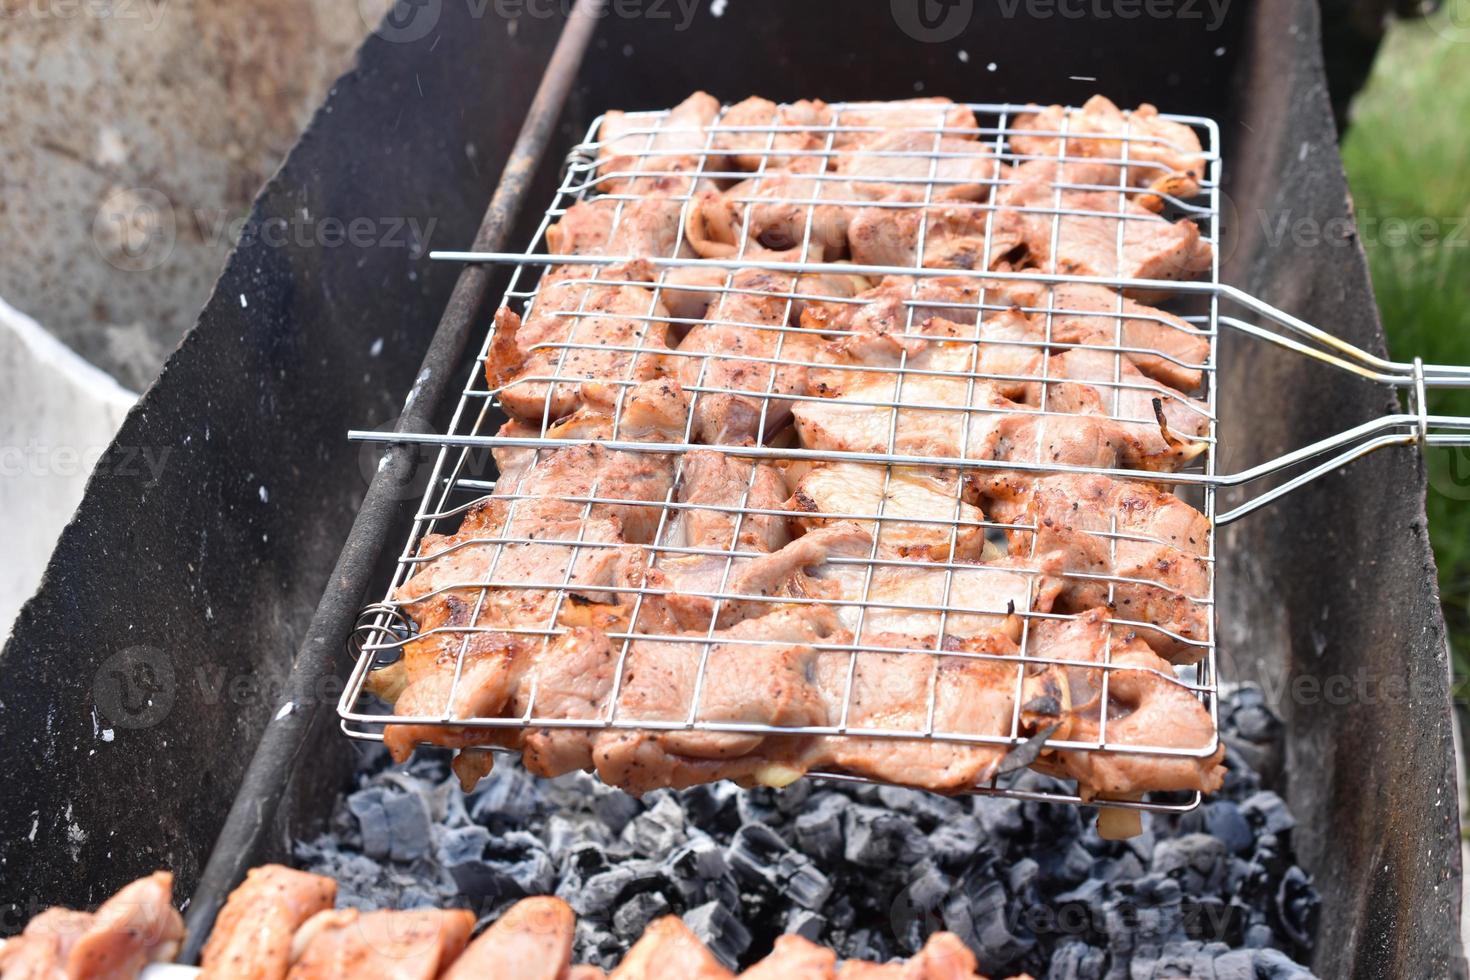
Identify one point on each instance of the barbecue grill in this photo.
(301, 340)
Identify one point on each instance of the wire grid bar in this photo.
(1134, 403)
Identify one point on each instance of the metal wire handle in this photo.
(1415, 427)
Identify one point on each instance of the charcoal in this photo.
(805, 923)
(615, 808)
(818, 830)
(927, 808)
(878, 839)
(1272, 964)
(508, 796)
(1258, 936)
(713, 807)
(636, 913)
(919, 909)
(460, 845)
(719, 930)
(657, 830)
(1223, 819)
(1075, 960)
(996, 943)
(1269, 812)
(999, 816)
(1068, 865)
(1297, 907)
(870, 870)
(599, 892)
(759, 857)
(956, 841)
(758, 806)
(1238, 964)
(372, 820)
(482, 880)
(408, 826)
(1196, 861)
(697, 869)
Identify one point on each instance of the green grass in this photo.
(1407, 154)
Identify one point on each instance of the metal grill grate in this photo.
(963, 585)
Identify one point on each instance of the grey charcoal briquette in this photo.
(871, 871)
(718, 929)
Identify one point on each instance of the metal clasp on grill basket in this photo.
(593, 174)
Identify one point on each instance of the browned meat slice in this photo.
(890, 692)
(668, 949)
(830, 564)
(567, 341)
(865, 121)
(645, 228)
(726, 486)
(133, 928)
(921, 511)
(1172, 351)
(1090, 243)
(900, 165)
(1159, 539)
(794, 958)
(1086, 385)
(954, 235)
(1165, 155)
(668, 148)
(1146, 706)
(531, 941)
(944, 957)
(817, 290)
(765, 682)
(775, 216)
(547, 552)
(252, 936)
(749, 321)
(415, 945)
(748, 133)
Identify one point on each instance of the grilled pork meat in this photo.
(957, 235)
(775, 217)
(253, 933)
(797, 151)
(530, 941)
(921, 512)
(669, 949)
(756, 672)
(1150, 539)
(1146, 705)
(748, 322)
(578, 331)
(1088, 244)
(794, 958)
(133, 928)
(416, 945)
(666, 150)
(901, 165)
(1162, 154)
(943, 957)
(864, 122)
